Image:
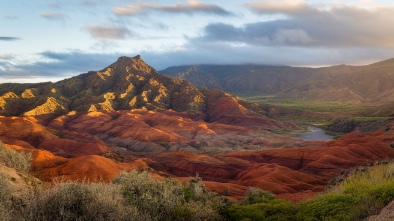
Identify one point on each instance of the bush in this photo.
(5, 197)
(274, 210)
(330, 206)
(80, 201)
(373, 189)
(343, 126)
(362, 194)
(168, 199)
(259, 205)
(13, 159)
(256, 195)
(5, 188)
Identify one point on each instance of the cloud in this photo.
(2, 38)
(52, 15)
(190, 7)
(10, 16)
(222, 53)
(281, 7)
(6, 57)
(57, 66)
(108, 32)
(272, 33)
(309, 26)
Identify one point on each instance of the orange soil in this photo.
(291, 173)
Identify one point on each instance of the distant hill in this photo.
(357, 84)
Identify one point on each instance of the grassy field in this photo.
(331, 110)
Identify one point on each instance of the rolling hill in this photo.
(355, 84)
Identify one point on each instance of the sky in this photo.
(49, 40)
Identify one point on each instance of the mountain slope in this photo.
(127, 84)
(356, 84)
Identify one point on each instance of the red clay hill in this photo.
(128, 116)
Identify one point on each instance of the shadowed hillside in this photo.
(356, 84)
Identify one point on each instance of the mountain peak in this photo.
(136, 63)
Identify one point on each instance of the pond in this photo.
(315, 134)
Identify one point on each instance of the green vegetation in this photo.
(362, 194)
(259, 205)
(13, 159)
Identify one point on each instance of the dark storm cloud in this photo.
(273, 33)
(2, 38)
(191, 7)
(308, 25)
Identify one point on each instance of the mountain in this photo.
(356, 84)
(127, 84)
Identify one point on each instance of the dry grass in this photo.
(19, 161)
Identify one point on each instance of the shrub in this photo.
(80, 201)
(13, 159)
(168, 199)
(5, 188)
(360, 195)
(260, 205)
(5, 197)
(256, 195)
(330, 206)
(373, 189)
(274, 209)
(343, 126)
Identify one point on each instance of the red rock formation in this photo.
(149, 131)
(291, 173)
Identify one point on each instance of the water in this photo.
(314, 134)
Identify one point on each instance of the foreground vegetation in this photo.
(362, 194)
(135, 196)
